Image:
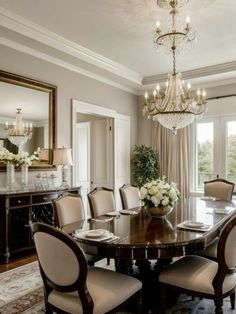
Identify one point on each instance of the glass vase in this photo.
(24, 174)
(10, 175)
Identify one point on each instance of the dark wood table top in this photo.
(142, 237)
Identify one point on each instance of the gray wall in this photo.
(70, 85)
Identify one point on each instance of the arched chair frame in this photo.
(219, 180)
(93, 192)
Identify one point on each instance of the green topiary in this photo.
(145, 165)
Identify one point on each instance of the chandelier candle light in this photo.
(175, 108)
(20, 133)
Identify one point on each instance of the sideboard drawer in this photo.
(16, 201)
(44, 198)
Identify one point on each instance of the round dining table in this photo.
(135, 235)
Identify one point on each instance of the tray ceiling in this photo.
(121, 32)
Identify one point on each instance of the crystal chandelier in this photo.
(20, 133)
(175, 108)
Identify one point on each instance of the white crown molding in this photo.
(63, 64)
(196, 73)
(36, 32)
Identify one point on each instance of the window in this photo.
(231, 151)
(214, 150)
(204, 151)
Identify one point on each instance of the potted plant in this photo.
(145, 165)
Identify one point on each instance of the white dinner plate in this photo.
(194, 224)
(221, 211)
(96, 233)
(128, 212)
(113, 214)
(208, 198)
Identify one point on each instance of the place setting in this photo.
(99, 235)
(194, 226)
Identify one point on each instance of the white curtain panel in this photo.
(173, 153)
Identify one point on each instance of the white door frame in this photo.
(87, 108)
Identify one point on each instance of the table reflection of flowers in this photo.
(161, 231)
(159, 196)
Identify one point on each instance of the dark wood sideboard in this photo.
(17, 210)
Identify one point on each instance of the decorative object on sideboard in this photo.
(20, 132)
(22, 159)
(10, 175)
(63, 157)
(176, 107)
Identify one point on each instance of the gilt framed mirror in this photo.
(36, 101)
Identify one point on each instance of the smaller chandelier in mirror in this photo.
(20, 132)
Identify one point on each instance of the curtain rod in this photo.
(223, 96)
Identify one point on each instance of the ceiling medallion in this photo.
(175, 108)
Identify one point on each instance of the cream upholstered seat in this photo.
(69, 215)
(101, 201)
(71, 286)
(202, 277)
(130, 197)
(219, 188)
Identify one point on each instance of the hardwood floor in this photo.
(16, 262)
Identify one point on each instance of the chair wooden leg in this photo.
(232, 300)
(140, 303)
(91, 263)
(218, 306)
(163, 292)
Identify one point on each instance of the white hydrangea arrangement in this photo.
(159, 193)
(22, 158)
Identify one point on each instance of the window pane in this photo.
(231, 151)
(204, 153)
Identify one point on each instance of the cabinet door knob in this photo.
(45, 198)
(19, 201)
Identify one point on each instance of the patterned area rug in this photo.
(21, 292)
(20, 289)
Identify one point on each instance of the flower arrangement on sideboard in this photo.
(22, 158)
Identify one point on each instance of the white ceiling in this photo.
(121, 31)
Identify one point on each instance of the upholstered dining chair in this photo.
(69, 215)
(219, 188)
(101, 201)
(69, 285)
(130, 197)
(199, 276)
(223, 190)
(68, 209)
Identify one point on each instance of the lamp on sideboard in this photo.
(63, 157)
